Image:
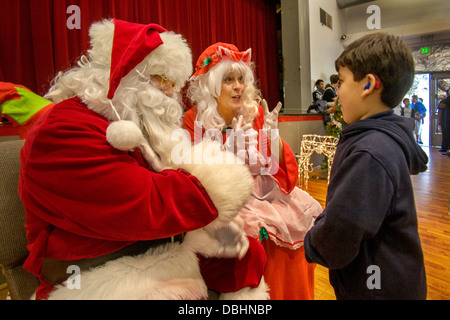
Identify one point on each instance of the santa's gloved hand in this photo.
(233, 240)
(227, 241)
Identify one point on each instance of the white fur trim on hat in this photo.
(172, 59)
(101, 39)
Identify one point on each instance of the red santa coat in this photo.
(83, 198)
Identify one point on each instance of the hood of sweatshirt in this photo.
(400, 129)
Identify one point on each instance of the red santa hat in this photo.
(164, 52)
(218, 52)
(131, 44)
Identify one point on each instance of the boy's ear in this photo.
(372, 82)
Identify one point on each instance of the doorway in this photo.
(431, 87)
(439, 83)
(421, 88)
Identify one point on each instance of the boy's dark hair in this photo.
(384, 55)
(318, 82)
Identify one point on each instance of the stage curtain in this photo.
(36, 43)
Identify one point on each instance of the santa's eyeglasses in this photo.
(162, 81)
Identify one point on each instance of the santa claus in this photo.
(106, 208)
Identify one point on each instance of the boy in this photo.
(367, 235)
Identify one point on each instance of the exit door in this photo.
(439, 83)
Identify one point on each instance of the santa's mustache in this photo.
(159, 115)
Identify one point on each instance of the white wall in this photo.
(409, 19)
(325, 44)
(400, 13)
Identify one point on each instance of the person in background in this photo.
(407, 111)
(444, 120)
(329, 94)
(227, 103)
(330, 97)
(367, 234)
(320, 87)
(319, 105)
(420, 112)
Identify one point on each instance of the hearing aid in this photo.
(377, 83)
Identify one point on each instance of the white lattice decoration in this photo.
(314, 143)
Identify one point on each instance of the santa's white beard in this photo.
(160, 115)
(156, 114)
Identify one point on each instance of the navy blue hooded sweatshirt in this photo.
(367, 234)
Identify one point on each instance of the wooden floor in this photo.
(432, 196)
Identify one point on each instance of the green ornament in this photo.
(207, 61)
(263, 234)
